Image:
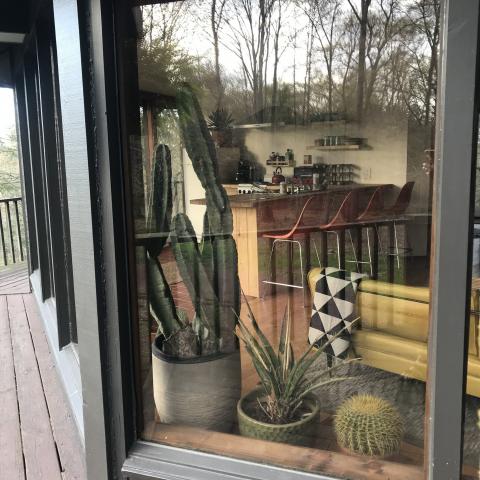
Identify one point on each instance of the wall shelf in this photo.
(333, 147)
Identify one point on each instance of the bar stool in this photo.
(341, 222)
(381, 215)
(394, 215)
(368, 218)
(314, 208)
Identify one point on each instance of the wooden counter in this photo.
(257, 213)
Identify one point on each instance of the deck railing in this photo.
(11, 231)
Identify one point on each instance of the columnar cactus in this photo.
(369, 425)
(209, 269)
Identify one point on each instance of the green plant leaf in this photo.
(307, 359)
(262, 355)
(274, 360)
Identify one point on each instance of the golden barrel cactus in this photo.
(369, 425)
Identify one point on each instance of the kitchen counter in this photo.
(254, 200)
(257, 213)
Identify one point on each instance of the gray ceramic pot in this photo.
(201, 392)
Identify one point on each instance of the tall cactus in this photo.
(218, 240)
(209, 270)
(158, 223)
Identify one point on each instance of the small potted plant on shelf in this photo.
(283, 408)
(220, 122)
(195, 361)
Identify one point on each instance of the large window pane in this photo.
(471, 438)
(280, 157)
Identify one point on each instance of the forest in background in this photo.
(9, 168)
(296, 61)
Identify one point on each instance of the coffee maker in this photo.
(244, 173)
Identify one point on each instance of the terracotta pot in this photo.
(302, 432)
(201, 391)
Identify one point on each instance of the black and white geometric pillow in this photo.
(333, 309)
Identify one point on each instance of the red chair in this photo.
(376, 215)
(314, 209)
(403, 201)
(341, 221)
(395, 215)
(374, 209)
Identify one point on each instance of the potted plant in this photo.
(220, 122)
(283, 408)
(196, 361)
(369, 425)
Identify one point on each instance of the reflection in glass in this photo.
(471, 435)
(284, 149)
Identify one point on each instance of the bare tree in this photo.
(276, 59)
(383, 27)
(250, 24)
(347, 46)
(163, 23)
(307, 84)
(324, 19)
(428, 23)
(362, 17)
(217, 11)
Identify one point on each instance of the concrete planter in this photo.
(296, 433)
(201, 392)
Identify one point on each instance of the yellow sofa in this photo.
(393, 329)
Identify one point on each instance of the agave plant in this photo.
(220, 119)
(287, 381)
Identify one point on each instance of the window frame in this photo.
(456, 123)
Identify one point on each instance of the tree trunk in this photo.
(362, 47)
(275, 83)
(216, 49)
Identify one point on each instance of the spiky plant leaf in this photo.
(286, 381)
(270, 351)
(161, 301)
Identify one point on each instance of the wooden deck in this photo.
(14, 279)
(38, 436)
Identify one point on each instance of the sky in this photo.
(7, 111)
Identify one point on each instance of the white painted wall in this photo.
(385, 162)
(193, 190)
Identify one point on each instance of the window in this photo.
(44, 173)
(280, 163)
(471, 429)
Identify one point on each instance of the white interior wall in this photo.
(193, 190)
(385, 161)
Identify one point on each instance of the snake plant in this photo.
(208, 268)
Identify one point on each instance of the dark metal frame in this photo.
(17, 248)
(111, 367)
(53, 165)
(26, 173)
(41, 148)
(454, 195)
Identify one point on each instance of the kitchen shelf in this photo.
(334, 147)
(290, 163)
